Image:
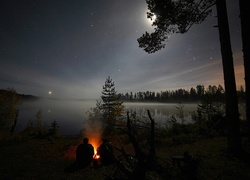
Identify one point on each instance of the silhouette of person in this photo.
(105, 151)
(84, 153)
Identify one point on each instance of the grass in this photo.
(215, 163)
(32, 158)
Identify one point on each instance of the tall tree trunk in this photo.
(232, 112)
(244, 15)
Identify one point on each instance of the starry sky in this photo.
(67, 49)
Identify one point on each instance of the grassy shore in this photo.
(48, 158)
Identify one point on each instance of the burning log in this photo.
(103, 154)
(96, 160)
(96, 156)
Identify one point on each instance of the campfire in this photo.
(95, 162)
(95, 143)
(96, 156)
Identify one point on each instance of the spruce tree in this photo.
(112, 106)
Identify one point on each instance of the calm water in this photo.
(71, 114)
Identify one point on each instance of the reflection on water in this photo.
(160, 112)
(70, 114)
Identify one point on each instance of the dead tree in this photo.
(143, 161)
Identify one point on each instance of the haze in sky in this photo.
(67, 49)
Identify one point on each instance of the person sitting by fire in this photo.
(84, 153)
(105, 151)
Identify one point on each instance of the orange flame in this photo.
(95, 143)
(96, 156)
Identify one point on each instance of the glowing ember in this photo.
(95, 162)
(96, 156)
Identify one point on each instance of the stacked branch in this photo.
(142, 161)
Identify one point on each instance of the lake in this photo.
(71, 114)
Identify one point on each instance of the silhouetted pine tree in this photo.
(244, 15)
(112, 106)
(178, 17)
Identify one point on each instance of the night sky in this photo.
(70, 47)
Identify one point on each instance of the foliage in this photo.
(180, 95)
(179, 131)
(177, 16)
(144, 158)
(180, 111)
(209, 115)
(140, 125)
(95, 115)
(40, 129)
(9, 100)
(103, 118)
(94, 123)
(177, 117)
(111, 106)
(53, 130)
(208, 120)
(172, 16)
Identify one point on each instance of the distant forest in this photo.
(217, 93)
(4, 93)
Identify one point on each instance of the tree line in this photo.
(181, 95)
(177, 16)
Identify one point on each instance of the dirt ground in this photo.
(55, 159)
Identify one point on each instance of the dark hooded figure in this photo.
(105, 150)
(84, 153)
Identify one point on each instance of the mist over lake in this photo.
(71, 114)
